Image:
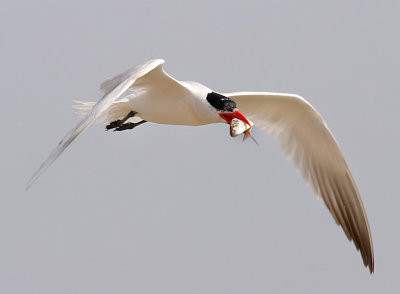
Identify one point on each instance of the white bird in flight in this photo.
(146, 93)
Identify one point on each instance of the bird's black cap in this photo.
(221, 103)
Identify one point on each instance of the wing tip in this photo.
(33, 178)
(369, 261)
(371, 268)
(27, 186)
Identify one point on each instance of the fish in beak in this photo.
(238, 127)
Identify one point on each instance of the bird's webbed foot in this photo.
(120, 122)
(114, 124)
(129, 126)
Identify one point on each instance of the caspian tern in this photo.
(146, 93)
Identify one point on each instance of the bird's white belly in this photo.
(164, 107)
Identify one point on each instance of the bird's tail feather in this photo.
(118, 110)
(83, 107)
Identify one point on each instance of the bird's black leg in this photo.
(120, 122)
(129, 126)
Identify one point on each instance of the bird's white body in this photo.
(159, 98)
(183, 105)
(156, 97)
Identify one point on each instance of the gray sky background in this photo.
(167, 209)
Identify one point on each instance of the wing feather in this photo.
(112, 90)
(307, 141)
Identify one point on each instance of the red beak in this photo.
(228, 116)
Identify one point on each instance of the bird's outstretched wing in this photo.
(112, 90)
(307, 141)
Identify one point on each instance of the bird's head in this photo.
(226, 108)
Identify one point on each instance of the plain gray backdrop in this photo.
(175, 209)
